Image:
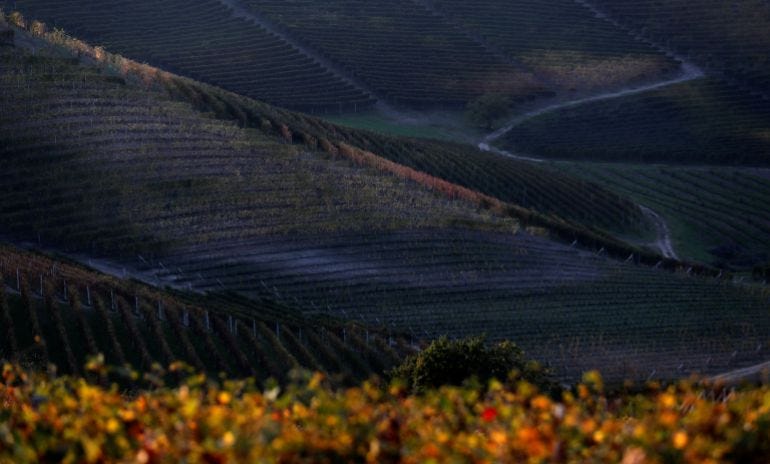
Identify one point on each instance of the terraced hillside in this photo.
(506, 179)
(561, 40)
(60, 313)
(699, 122)
(334, 56)
(202, 39)
(551, 299)
(728, 37)
(401, 50)
(510, 180)
(716, 215)
(107, 165)
(113, 167)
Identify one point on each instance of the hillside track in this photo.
(688, 72)
(728, 39)
(663, 243)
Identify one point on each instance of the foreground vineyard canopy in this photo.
(205, 421)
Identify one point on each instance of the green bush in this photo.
(453, 362)
(487, 110)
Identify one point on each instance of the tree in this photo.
(447, 362)
(486, 110)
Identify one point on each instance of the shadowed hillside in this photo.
(192, 201)
(53, 311)
(340, 55)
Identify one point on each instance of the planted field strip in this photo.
(716, 215)
(512, 181)
(401, 50)
(572, 309)
(203, 40)
(562, 41)
(96, 164)
(730, 37)
(698, 122)
(509, 180)
(75, 313)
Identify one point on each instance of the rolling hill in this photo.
(729, 38)
(280, 207)
(700, 122)
(716, 215)
(223, 224)
(342, 55)
(55, 311)
(202, 39)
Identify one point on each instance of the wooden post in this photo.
(208, 322)
(88, 295)
(112, 299)
(18, 280)
(277, 330)
(41, 285)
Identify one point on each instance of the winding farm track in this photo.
(689, 71)
(663, 242)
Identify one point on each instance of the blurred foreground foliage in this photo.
(65, 419)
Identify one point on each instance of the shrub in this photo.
(17, 19)
(453, 362)
(486, 110)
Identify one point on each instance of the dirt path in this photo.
(663, 243)
(688, 71)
